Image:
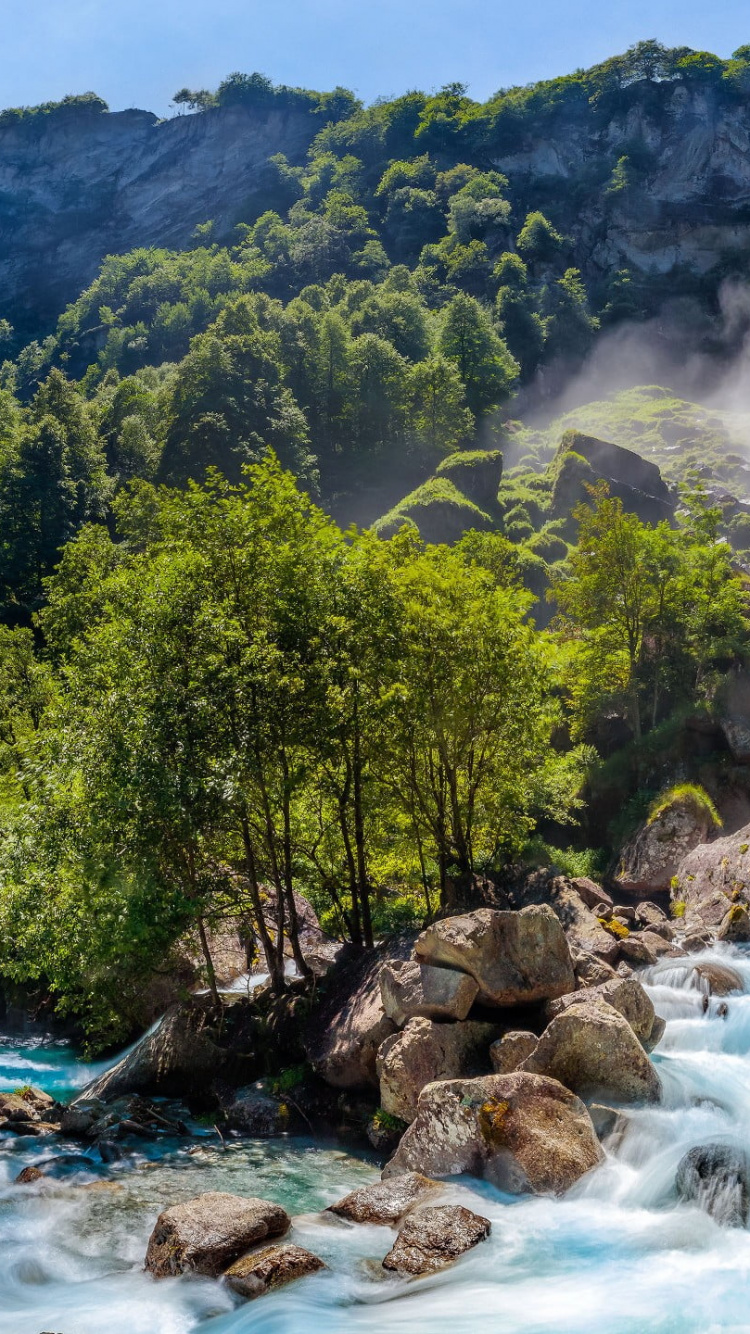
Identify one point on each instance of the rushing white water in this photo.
(618, 1255)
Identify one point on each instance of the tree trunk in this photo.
(277, 978)
(359, 831)
(210, 970)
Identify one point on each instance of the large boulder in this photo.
(348, 1026)
(426, 1051)
(524, 1133)
(735, 926)
(592, 1050)
(433, 1238)
(624, 994)
(582, 460)
(715, 1176)
(415, 990)
(514, 957)
(571, 902)
(650, 860)
(718, 979)
(709, 878)
(256, 1111)
(177, 1058)
(386, 1202)
(259, 1272)
(206, 1235)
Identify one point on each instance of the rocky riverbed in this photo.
(556, 1090)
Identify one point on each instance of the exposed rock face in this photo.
(515, 957)
(347, 1029)
(387, 1201)
(715, 1176)
(259, 1272)
(476, 473)
(652, 858)
(590, 970)
(207, 1234)
(138, 182)
(433, 1238)
(624, 994)
(510, 1050)
(592, 1050)
(424, 1052)
(178, 1057)
(709, 876)
(13, 1107)
(591, 893)
(413, 990)
(637, 951)
(523, 1132)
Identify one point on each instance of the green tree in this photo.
(485, 365)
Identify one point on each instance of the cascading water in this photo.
(618, 1255)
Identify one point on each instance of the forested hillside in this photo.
(315, 314)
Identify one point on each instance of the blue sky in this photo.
(138, 52)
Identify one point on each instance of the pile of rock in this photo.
(237, 1238)
(486, 1040)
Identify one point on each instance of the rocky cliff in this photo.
(682, 196)
(76, 188)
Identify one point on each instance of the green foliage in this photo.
(689, 795)
(591, 862)
(648, 612)
(247, 703)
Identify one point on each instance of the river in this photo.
(618, 1255)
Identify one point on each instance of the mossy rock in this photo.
(476, 473)
(439, 511)
(583, 460)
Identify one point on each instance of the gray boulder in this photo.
(415, 990)
(254, 1111)
(207, 1234)
(718, 979)
(653, 918)
(651, 859)
(386, 1202)
(624, 994)
(514, 957)
(709, 877)
(433, 1238)
(715, 1176)
(259, 1272)
(424, 1052)
(178, 1058)
(346, 1030)
(593, 1051)
(735, 926)
(523, 1132)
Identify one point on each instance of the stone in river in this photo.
(432, 1238)
(207, 1234)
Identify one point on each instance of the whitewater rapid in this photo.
(618, 1255)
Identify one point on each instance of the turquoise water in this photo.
(618, 1255)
